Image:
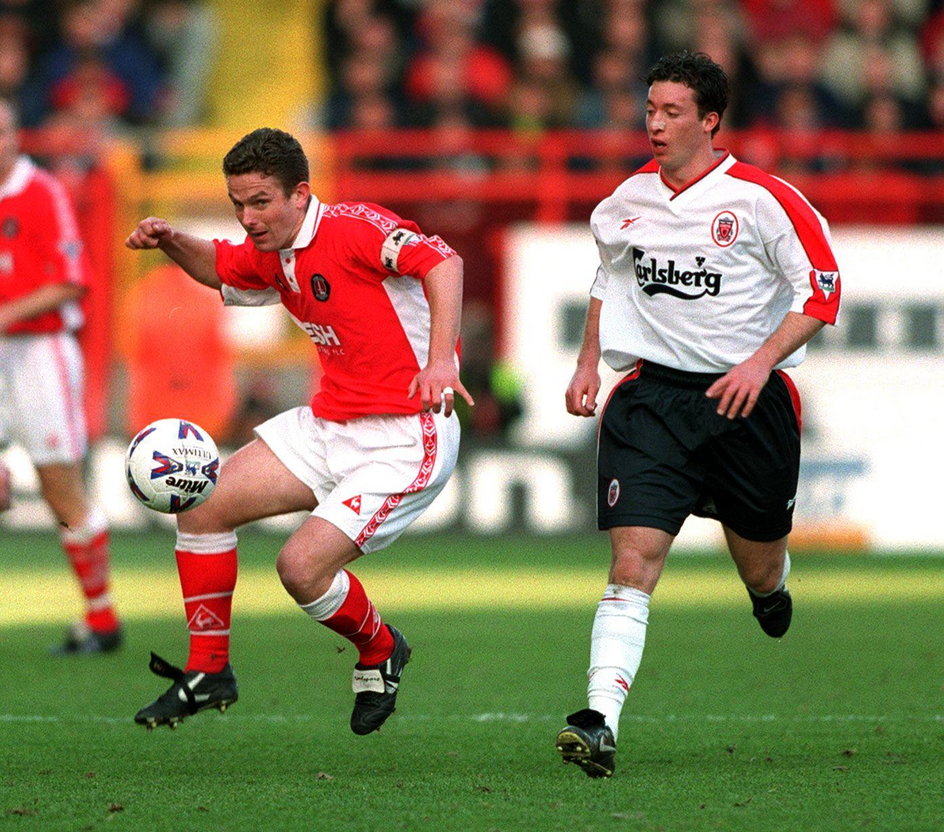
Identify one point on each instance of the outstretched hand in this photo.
(149, 233)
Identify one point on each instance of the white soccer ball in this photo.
(172, 465)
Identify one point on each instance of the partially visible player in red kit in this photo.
(43, 275)
(382, 303)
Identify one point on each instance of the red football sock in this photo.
(358, 621)
(207, 580)
(88, 554)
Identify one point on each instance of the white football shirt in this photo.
(698, 278)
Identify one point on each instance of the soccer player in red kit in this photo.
(713, 276)
(382, 302)
(42, 278)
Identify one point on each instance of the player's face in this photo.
(270, 218)
(679, 137)
(9, 139)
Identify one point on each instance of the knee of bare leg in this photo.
(292, 572)
(207, 518)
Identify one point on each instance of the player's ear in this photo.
(711, 121)
(301, 194)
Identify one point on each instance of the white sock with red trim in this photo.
(346, 609)
(616, 645)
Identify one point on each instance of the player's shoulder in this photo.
(765, 185)
(362, 215)
(642, 177)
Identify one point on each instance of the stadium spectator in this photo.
(705, 422)
(378, 442)
(449, 48)
(776, 20)
(788, 71)
(364, 78)
(101, 31)
(873, 52)
(932, 46)
(44, 276)
(545, 90)
(183, 35)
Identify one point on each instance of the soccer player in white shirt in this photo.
(713, 276)
(381, 301)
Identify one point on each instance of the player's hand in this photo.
(437, 386)
(581, 394)
(149, 233)
(737, 390)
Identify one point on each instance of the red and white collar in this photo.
(309, 225)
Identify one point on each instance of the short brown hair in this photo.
(270, 152)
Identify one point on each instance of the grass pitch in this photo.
(839, 726)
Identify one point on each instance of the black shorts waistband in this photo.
(679, 378)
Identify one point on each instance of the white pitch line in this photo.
(519, 718)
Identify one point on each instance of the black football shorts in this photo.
(665, 453)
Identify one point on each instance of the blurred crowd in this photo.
(875, 65)
(84, 64)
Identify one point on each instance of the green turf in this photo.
(839, 726)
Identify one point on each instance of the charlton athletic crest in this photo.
(724, 229)
(320, 287)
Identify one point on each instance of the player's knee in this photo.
(204, 519)
(637, 568)
(301, 575)
(762, 576)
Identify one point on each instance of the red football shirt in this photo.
(352, 280)
(39, 245)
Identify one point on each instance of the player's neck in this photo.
(692, 169)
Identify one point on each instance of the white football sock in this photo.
(328, 604)
(616, 645)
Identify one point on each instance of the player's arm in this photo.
(737, 390)
(44, 299)
(196, 256)
(581, 394)
(443, 284)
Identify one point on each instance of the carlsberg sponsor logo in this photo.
(655, 279)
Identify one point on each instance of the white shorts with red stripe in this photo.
(372, 476)
(41, 407)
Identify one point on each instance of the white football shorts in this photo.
(372, 476)
(41, 402)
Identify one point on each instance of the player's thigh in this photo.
(645, 475)
(253, 484)
(753, 471)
